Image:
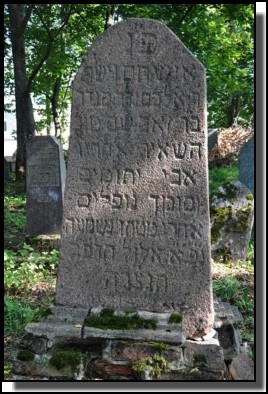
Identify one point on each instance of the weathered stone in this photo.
(6, 170)
(45, 179)
(130, 351)
(36, 344)
(246, 165)
(196, 374)
(242, 367)
(229, 339)
(100, 368)
(176, 337)
(54, 329)
(212, 138)
(205, 354)
(136, 225)
(231, 210)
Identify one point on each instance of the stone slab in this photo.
(45, 180)
(136, 223)
(246, 165)
(212, 138)
(242, 367)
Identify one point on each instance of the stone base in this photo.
(62, 346)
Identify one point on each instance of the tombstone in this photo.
(212, 138)
(136, 223)
(246, 165)
(6, 170)
(231, 214)
(45, 179)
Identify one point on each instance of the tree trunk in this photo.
(54, 106)
(24, 108)
(110, 14)
(233, 109)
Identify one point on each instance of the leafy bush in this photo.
(26, 267)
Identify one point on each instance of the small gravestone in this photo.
(212, 138)
(136, 223)
(231, 214)
(45, 179)
(246, 165)
(6, 170)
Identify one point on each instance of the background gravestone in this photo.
(136, 224)
(231, 214)
(45, 179)
(6, 170)
(212, 138)
(246, 165)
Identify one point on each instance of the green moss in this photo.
(220, 216)
(108, 320)
(230, 191)
(200, 360)
(66, 360)
(159, 346)
(175, 317)
(242, 223)
(158, 365)
(25, 355)
(250, 197)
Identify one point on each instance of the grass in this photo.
(220, 175)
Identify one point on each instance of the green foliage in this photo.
(157, 364)
(108, 320)
(218, 176)
(26, 267)
(175, 317)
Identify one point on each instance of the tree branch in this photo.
(49, 45)
(26, 18)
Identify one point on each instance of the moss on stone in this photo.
(157, 364)
(159, 346)
(66, 360)
(250, 197)
(108, 320)
(241, 225)
(200, 360)
(220, 216)
(230, 192)
(25, 355)
(175, 317)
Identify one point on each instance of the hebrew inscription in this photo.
(135, 230)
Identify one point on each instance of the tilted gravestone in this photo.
(6, 170)
(246, 165)
(232, 210)
(136, 223)
(45, 180)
